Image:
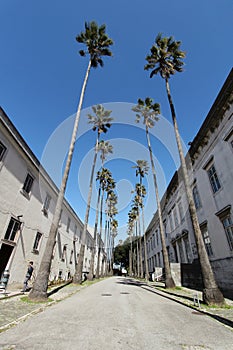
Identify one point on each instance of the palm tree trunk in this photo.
(79, 268)
(93, 252)
(140, 238)
(138, 261)
(169, 282)
(107, 246)
(211, 292)
(131, 257)
(100, 235)
(40, 286)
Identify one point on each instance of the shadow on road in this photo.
(130, 281)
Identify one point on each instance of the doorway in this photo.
(5, 253)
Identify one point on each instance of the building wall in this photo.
(28, 209)
(212, 146)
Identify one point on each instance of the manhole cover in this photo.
(106, 295)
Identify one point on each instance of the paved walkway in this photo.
(13, 309)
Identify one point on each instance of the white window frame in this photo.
(213, 178)
(12, 234)
(206, 239)
(196, 197)
(46, 204)
(37, 242)
(68, 224)
(27, 185)
(228, 228)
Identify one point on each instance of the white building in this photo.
(27, 202)
(210, 160)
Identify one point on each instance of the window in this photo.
(229, 136)
(157, 237)
(28, 184)
(228, 227)
(165, 227)
(37, 242)
(206, 239)
(2, 150)
(159, 261)
(181, 212)
(46, 204)
(171, 221)
(196, 197)
(213, 177)
(225, 217)
(71, 256)
(187, 248)
(68, 225)
(181, 251)
(175, 217)
(64, 254)
(75, 233)
(13, 228)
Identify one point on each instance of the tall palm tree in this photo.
(113, 228)
(135, 208)
(166, 59)
(132, 223)
(97, 45)
(149, 111)
(110, 205)
(101, 121)
(141, 170)
(104, 148)
(130, 234)
(105, 181)
(111, 212)
(140, 195)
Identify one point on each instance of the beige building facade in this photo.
(27, 203)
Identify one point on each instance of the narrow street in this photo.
(116, 313)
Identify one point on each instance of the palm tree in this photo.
(166, 59)
(97, 45)
(130, 234)
(111, 211)
(135, 208)
(101, 121)
(149, 111)
(141, 170)
(132, 223)
(105, 181)
(104, 148)
(113, 229)
(140, 195)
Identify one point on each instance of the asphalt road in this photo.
(117, 314)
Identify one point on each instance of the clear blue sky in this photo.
(41, 75)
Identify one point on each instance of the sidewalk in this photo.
(193, 299)
(13, 310)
